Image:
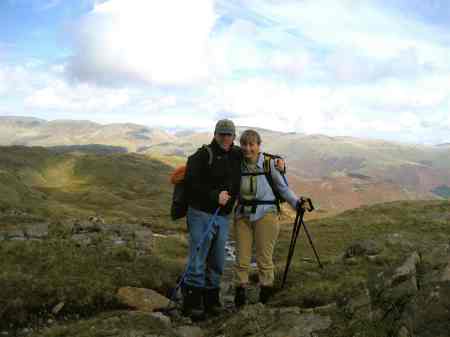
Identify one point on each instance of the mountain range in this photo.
(338, 172)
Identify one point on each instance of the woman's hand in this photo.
(280, 165)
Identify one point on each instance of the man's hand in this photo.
(223, 198)
(280, 165)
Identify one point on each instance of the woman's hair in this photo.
(250, 136)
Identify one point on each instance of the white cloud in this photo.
(163, 42)
(59, 95)
(315, 66)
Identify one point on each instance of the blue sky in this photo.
(372, 69)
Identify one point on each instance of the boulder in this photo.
(142, 299)
(362, 248)
(36, 231)
(258, 320)
(15, 234)
(144, 240)
(407, 270)
(86, 227)
(189, 331)
(162, 318)
(82, 239)
(445, 276)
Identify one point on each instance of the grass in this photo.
(58, 186)
(421, 226)
(122, 188)
(35, 276)
(113, 324)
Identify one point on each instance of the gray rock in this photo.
(96, 220)
(301, 326)
(126, 231)
(258, 320)
(407, 269)
(82, 239)
(403, 332)
(161, 317)
(57, 308)
(360, 306)
(361, 248)
(287, 310)
(445, 276)
(144, 240)
(397, 239)
(14, 234)
(86, 227)
(36, 231)
(189, 331)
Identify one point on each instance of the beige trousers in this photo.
(265, 232)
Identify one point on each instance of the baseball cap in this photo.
(225, 126)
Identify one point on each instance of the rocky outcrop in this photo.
(87, 233)
(364, 247)
(142, 299)
(258, 320)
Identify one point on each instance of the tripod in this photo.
(295, 232)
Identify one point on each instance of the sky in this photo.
(361, 68)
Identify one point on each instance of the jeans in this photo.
(206, 259)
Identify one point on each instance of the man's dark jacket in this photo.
(204, 182)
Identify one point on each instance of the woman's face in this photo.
(250, 150)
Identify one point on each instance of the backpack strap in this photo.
(210, 153)
(268, 174)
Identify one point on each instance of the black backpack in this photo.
(179, 205)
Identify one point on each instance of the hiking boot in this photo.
(192, 303)
(211, 300)
(265, 293)
(240, 297)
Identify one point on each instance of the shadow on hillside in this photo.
(53, 184)
(88, 148)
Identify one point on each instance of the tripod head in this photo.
(306, 204)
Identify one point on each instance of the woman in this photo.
(257, 215)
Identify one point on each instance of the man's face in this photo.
(225, 140)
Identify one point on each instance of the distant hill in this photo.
(35, 132)
(338, 172)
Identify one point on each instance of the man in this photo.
(212, 182)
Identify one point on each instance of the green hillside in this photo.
(38, 182)
(367, 286)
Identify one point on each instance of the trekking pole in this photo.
(295, 232)
(208, 231)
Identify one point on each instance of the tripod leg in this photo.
(311, 243)
(295, 232)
